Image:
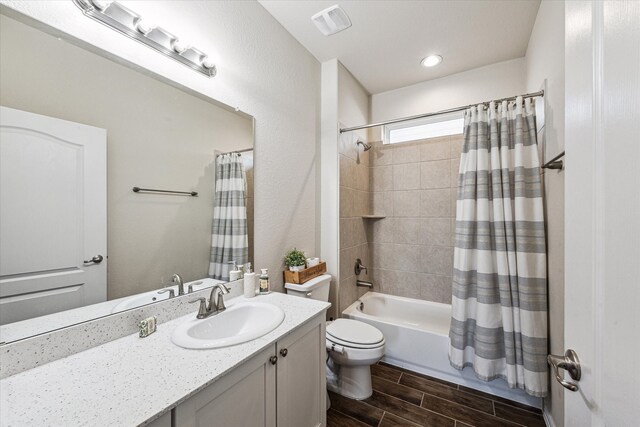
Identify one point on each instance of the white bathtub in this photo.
(417, 338)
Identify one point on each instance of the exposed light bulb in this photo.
(431, 60)
(144, 26)
(179, 46)
(207, 63)
(101, 4)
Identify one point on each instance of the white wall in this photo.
(480, 84)
(353, 100)
(329, 177)
(545, 68)
(545, 61)
(263, 71)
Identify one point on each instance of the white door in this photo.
(53, 215)
(602, 216)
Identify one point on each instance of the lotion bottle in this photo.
(265, 287)
(249, 282)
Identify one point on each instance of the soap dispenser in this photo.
(249, 282)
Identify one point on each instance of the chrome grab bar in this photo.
(570, 363)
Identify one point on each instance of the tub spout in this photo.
(364, 284)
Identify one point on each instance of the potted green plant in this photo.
(295, 260)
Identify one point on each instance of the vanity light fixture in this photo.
(431, 61)
(123, 20)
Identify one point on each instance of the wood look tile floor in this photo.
(405, 398)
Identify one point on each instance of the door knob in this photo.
(273, 360)
(95, 260)
(570, 363)
(284, 352)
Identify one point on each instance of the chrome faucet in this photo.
(358, 269)
(364, 284)
(176, 278)
(216, 301)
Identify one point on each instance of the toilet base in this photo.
(353, 382)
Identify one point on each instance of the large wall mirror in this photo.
(78, 132)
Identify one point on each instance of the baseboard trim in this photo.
(548, 420)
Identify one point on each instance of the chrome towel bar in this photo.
(555, 163)
(149, 190)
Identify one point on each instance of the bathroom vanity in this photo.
(277, 379)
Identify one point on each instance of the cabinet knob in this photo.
(284, 352)
(273, 360)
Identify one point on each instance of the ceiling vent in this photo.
(331, 20)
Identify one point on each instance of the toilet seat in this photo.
(354, 334)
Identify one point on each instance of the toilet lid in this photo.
(354, 332)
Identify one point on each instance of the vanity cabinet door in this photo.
(301, 376)
(163, 421)
(245, 397)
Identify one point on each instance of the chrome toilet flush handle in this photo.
(568, 362)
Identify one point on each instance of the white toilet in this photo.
(353, 346)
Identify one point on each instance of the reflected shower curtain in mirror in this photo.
(499, 301)
(229, 239)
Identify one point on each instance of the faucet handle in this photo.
(202, 310)
(191, 285)
(359, 267)
(172, 293)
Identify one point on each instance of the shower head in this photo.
(366, 146)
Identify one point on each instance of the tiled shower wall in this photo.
(414, 185)
(354, 203)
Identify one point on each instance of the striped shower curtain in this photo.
(229, 239)
(499, 302)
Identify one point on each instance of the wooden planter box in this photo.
(305, 275)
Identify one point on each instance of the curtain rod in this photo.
(437, 113)
(237, 151)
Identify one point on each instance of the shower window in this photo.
(424, 128)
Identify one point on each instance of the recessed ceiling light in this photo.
(431, 60)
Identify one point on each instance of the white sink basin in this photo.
(239, 323)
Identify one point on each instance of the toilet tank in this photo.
(316, 288)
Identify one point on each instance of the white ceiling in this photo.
(388, 39)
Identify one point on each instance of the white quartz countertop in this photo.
(132, 380)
